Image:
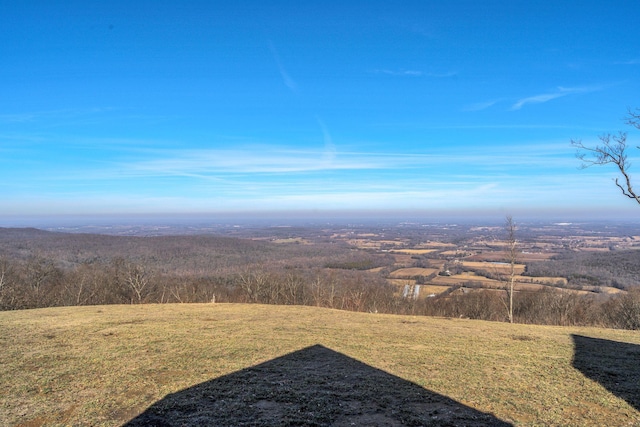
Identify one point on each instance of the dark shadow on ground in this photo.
(315, 386)
(615, 365)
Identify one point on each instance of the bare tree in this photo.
(137, 281)
(254, 284)
(612, 150)
(4, 266)
(512, 258)
(317, 288)
(81, 285)
(4, 280)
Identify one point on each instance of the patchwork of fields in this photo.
(480, 263)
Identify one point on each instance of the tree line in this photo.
(96, 270)
(38, 282)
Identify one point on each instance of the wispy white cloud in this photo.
(281, 178)
(403, 73)
(479, 106)
(18, 117)
(443, 75)
(330, 151)
(629, 62)
(32, 116)
(286, 78)
(538, 99)
(559, 93)
(455, 125)
(414, 73)
(229, 164)
(258, 160)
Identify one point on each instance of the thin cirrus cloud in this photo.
(273, 160)
(265, 161)
(405, 73)
(281, 177)
(635, 61)
(414, 73)
(479, 106)
(443, 75)
(286, 78)
(61, 114)
(546, 97)
(330, 151)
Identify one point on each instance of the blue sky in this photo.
(151, 107)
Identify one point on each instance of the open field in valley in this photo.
(105, 365)
(412, 272)
(413, 251)
(494, 267)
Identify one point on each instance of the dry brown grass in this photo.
(535, 256)
(439, 245)
(412, 251)
(401, 282)
(412, 272)
(502, 268)
(604, 289)
(100, 366)
(542, 279)
(500, 255)
(523, 283)
(373, 244)
(426, 290)
(402, 259)
(461, 278)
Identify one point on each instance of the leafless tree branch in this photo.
(612, 150)
(633, 118)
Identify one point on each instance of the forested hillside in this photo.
(358, 271)
(618, 269)
(41, 269)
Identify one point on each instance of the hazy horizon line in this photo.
(314, 215)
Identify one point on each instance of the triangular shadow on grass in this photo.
(315, 386)
(615, 365)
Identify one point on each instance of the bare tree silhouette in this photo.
(612, 150)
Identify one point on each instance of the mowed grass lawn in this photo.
(103, 365)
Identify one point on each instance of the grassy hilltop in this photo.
(105, 365)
